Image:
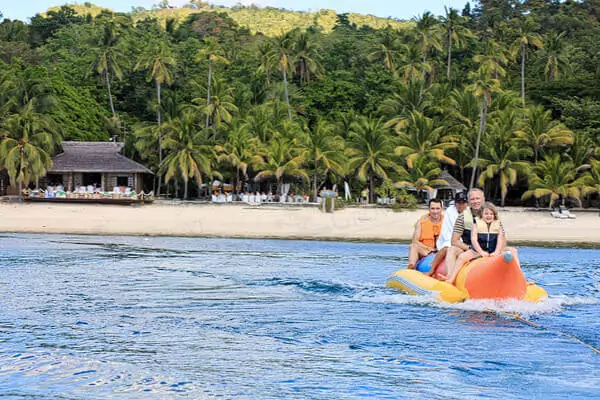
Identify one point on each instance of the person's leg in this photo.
(439, 257)
(415, 253)
(451, 256)
(413, 256)
(462, 258)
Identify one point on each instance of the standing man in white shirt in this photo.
(445, 239)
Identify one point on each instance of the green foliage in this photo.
(404, 201)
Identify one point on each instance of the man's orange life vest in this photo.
(430, 231)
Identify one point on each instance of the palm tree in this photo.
(370, 151)
(158, 59)
(428, 35)
(279, 159)
(239, 150)
(494, 59)
(189, 153)
(213, 54)
(419, 138)
(386, 49)
(408, 97)
(554, 177)
(28, 140)
(108, 56)
(455, 33)
(556, 55)
(422, 176)
(540, 131)
(592, 179)
(526, 38)
(265, 62)
(323, 148)
(503, 157)
(220, 106)
(281, 55)
(463, 112)
(305, 57)
(413, 63)
(483, 87)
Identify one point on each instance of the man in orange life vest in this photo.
(427, 231)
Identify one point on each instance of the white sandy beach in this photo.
(368, 224)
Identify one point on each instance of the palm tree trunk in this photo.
(287, 98)
(449, 52)
(482, 118)
(315, 177)
(208, 91)
(110, 99)
(523, 74)
(185, 189)
(159, 121)
(371, 187)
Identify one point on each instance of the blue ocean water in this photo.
(96, 317)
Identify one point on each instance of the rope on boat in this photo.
(528, 322)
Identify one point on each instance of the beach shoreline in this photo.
(364, 224)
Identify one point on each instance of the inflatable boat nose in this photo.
(508, 256)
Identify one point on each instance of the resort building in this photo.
(98, 164)
(82, 164)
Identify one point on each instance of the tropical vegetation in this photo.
(503, 94)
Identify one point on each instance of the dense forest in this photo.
(503, 94)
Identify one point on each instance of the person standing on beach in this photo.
(427, 231)
(444, 242)
(365, 195)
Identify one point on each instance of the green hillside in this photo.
(269, 21)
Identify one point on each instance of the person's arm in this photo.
(475, 242)
(500, 243)
(416, 234)
(459, 243)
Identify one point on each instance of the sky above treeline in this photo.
(400, 9)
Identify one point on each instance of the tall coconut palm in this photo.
(422, 176)
(456, 34)
(306, 57)
(556, 178)
(158, 60)
(494, 58)
(260, 122)
(279, 159)
(265, 61)
(281, 56)
(502, 157)
(387, 49)
(189, 152)
(108, 56)
(408, 97)
(324, 149)
(211, 53)
(556, 55)
(540, 131)
(28, 141)
(482, 87)
(413, 63)
(370, 151)
(527, 38)
(239, 151)
(461, 121)
(420, 138)
(428, 35)
(220, 106)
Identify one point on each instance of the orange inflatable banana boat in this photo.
(497, 277)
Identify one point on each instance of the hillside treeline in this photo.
(504, 95)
